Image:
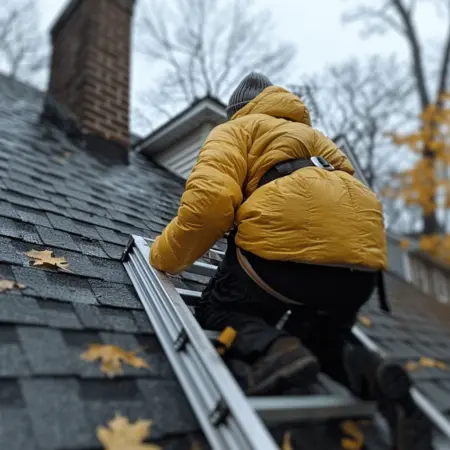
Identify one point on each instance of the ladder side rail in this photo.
(248, 427)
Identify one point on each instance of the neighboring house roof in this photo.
(55, 195)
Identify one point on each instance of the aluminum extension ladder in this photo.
(228, 418)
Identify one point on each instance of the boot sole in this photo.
(301, 372)
(393, 382)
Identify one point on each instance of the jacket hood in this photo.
(277, 102)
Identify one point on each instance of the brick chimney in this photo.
(90, 69)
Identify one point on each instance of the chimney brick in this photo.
(91, 63)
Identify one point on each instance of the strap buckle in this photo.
(322, 163)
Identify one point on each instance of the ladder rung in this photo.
(201, 268)
(189, 295)
(295, 409)
(217, 252)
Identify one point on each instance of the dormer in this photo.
(176, 144)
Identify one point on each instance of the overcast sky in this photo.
(314, 26)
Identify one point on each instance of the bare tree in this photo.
(22, 48)
(364, 100)
(399, 16)
(205, 47)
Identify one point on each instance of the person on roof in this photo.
(305, 236)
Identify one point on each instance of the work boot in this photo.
(388, 383)
(285, 364)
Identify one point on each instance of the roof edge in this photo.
(187, 119)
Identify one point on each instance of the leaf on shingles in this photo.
(365, 321)
(430, 362)
(195, 446)
(7, 285)
(112, 358)
(354, 437)
(287, 441)
(123, 435)
(45, 258)
(412, 366)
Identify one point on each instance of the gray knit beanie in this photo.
(249, 88)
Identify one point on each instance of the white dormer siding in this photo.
(181, 157)
(176, 144)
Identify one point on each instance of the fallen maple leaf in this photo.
(365, 321)
(287, 441)
(112, 357)
(123, 435)
(195, 446)
(45, 258)
(411, 366)
(354, 439)
(7, 285)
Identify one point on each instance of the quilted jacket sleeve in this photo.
(212, 195)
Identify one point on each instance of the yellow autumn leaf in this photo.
(412, 366)
(7, 285)
(195, 446)
(427, 362)
(287, 441)
(112, 357)
(424, 361)
(431, 362)
(365, 321)
(404, 244)
(123, 435)
(45, 258)
(354, 439)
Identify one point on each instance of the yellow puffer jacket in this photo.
(311, 216)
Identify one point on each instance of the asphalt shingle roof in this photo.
(55, 195)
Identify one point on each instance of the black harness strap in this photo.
(285, 168)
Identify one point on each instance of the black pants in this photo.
(329, 299)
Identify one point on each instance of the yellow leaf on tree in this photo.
(123, 435)
(45, 258)
(365, 321)
(404, 244)
(112, 358)
(7, 285)
(287, 441)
